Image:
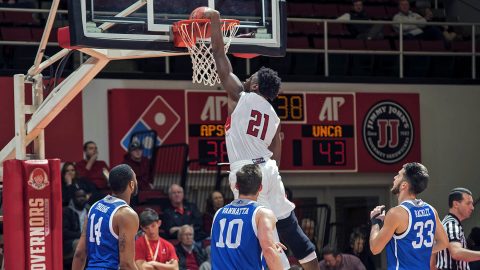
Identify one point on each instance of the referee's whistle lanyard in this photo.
(153, 256)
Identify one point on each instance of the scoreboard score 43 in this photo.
(318, 129)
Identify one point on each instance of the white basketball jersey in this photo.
(250, 128)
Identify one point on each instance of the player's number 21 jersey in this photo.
(250, 128)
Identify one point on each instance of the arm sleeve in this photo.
(358, 263)
(197, 223)
(453, 231)
(68, 232)
(167, 223)
(81, 169)
(172, 254)
(140, 252)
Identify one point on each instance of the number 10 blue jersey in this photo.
(234, 237)
(413, 248)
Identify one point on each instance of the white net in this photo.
(196, 36)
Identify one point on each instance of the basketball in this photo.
(198, 13)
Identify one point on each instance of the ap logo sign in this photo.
(388, 132)
(158, 116)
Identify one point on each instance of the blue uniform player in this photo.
(108, 235)
(412, 230)
(243, 230)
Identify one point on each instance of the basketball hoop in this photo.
(195, 35)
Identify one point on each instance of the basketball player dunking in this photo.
(412, 230)
(108, 235)
(253, 137)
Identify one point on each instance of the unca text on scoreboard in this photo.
(324, 132)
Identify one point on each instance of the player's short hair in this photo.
(85, 145)
(268, 82)
(119, 178)
(327, 250)
(456, 195)
(249, 179)
(148, 216)
(417, 176)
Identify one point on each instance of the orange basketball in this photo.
(198, 13)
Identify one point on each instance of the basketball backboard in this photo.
(147, 24)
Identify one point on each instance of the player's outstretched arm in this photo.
(265, 229)
(230, 81)
(126, 220)
(379, 237)
(80, 256)
(441, 238)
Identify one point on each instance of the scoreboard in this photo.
(320, 131)
(317, 129)
(324, 139)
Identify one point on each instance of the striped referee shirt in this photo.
(454, 230)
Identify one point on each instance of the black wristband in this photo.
(375, 221)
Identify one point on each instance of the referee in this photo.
(457, 256)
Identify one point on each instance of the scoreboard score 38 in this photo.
(318, 129)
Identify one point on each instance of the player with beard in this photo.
(108, 234)
(412, 230)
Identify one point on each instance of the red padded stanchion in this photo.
(33, 215)
(13, 215)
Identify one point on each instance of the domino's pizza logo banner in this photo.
(134, 112)
(389, 129)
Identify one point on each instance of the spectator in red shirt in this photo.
(214, 202)
(190, 256)
(91, 168)
(139, 164)
(151, 251)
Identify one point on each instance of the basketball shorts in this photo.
(272, 195)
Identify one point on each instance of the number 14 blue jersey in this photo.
(413, 248)
(102, 241)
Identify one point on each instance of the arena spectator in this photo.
(91, 168)
(151, 251)
(190, 256)
(447, 31)
(181, 213)
(73, 217)
(357, 248)
(334, 260)
(473, 243)
(71, 182)
(214, 202)
(308, 226)
(414, 31)
(140, 165)
(361, 31)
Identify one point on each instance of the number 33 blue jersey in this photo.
(413, 248)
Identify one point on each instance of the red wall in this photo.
(64, 135)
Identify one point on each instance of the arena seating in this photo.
(26, 27)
